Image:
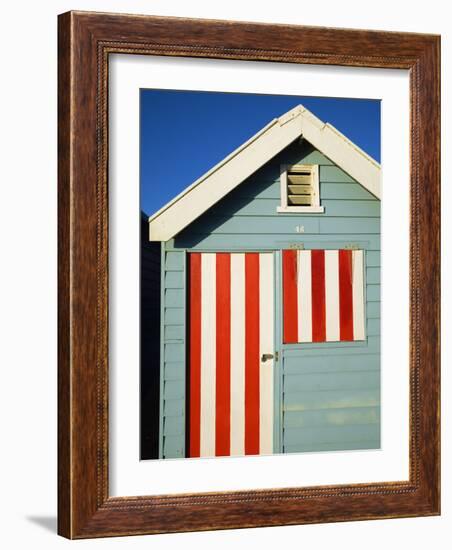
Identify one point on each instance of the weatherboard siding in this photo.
(330, 391)
(172, 387)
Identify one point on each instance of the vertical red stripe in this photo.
(318, 295)
(195, 354)
(223, 356)
(252, 359)
(290, 308)
(345, 295)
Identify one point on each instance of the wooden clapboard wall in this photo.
(330, 391)
(173, 381)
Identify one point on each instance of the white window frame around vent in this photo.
(315, 206)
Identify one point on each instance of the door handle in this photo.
(267, 357)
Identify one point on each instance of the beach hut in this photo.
(270, 298)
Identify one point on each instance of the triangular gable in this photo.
(254, 153)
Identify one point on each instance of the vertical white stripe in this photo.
(304, 292)
(332, 295)
(208, 353)
(266, 345)
(237, 354)
(358, 295)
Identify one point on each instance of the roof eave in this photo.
(254, 153)
(225, 176)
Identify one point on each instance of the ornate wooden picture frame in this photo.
(86, 40)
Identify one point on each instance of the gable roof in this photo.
(254, 153)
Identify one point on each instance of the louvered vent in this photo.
(300, 189)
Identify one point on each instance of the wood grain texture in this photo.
(64, 295)
(85, 42)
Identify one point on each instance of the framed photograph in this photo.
(248, 275)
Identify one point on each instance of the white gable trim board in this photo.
(249, 157)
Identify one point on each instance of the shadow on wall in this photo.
(149, 343)
(49, 523)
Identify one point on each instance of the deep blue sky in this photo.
(183, 134)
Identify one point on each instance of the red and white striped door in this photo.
(231, 326)
(323, 296)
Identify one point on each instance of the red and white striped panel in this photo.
(231, 321)
(323, 295)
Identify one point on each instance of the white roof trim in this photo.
(254, 153)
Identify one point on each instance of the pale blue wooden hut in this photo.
(270, 298)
